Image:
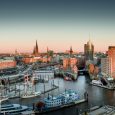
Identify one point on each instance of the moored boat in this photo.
(3, 98)
(12, 109)
(65, 99)
(29, 89)
(34, 94)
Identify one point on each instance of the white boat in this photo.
(3, 98)
(34, 94)
(97, 82)
(61, 100)
(12, 109)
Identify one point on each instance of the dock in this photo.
(17, 95)
(104, 110)
(54, 87)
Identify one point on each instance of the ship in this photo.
(65, 99)
(29, 89)
(12, 109)
(3, 98)
(30, 95)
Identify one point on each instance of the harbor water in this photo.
(96, 95)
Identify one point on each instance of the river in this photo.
(96, 95)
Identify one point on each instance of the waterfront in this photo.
(97, 95)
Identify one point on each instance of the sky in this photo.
(57, 24)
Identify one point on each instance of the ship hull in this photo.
(46, 110)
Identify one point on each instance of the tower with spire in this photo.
(89, 50)
(36, 51)
(71, 51)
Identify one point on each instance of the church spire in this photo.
(36, 51)
(71, 51)
(36, 47)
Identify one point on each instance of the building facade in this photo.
(111, 55)
(28, 60)
(4, 64)
(106, 66)
(44, 74)
(89, 50)
(69, 62)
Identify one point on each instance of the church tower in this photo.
(36, 51)
(71, 51)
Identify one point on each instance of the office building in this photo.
(89, 50)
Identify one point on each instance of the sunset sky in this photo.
(57, 24)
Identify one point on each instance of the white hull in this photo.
(13, 108)
(31, 95)
(3, 99)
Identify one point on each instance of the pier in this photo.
(100, 110)
(54, 87)
(102, 86)
(16, 93)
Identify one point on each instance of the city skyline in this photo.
(56, 24)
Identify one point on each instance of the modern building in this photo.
(111, 55)
(36, 50)
(106, 66)
(89, 50)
